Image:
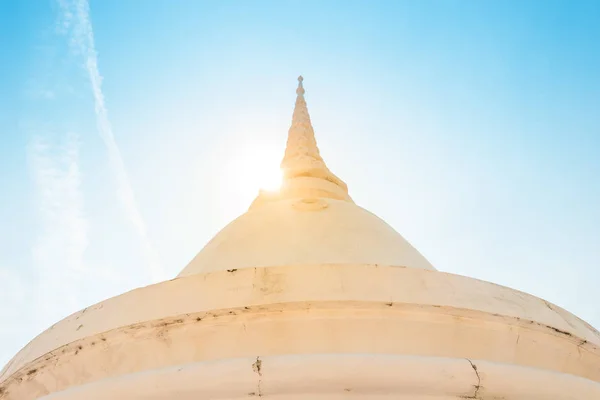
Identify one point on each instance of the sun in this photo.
(254, 167)
(265, 174)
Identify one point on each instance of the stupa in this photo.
(309, 296)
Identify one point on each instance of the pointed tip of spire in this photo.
(300, 90)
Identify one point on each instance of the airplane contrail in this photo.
(76, 15)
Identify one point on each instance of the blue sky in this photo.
(472, 127)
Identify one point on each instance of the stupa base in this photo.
(340, 376)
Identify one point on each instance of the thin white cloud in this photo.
(76, 21)
(58, 254)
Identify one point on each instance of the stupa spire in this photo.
(302, 157)
(305, 174)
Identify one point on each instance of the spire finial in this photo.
(300, 90)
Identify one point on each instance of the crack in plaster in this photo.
(478, 385)
(257, 368)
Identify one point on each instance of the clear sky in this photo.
(472, 127)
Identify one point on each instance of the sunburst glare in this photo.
(254, 167)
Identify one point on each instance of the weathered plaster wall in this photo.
(341, 376)
(336, 309)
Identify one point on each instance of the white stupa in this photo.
(309, 296)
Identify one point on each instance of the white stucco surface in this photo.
(343, 376)
(304, 310)
(305, 231)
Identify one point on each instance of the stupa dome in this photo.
(306, 231)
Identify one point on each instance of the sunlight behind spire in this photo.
(255, 167)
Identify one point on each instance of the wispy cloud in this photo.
(76, 22)
(59, 252)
